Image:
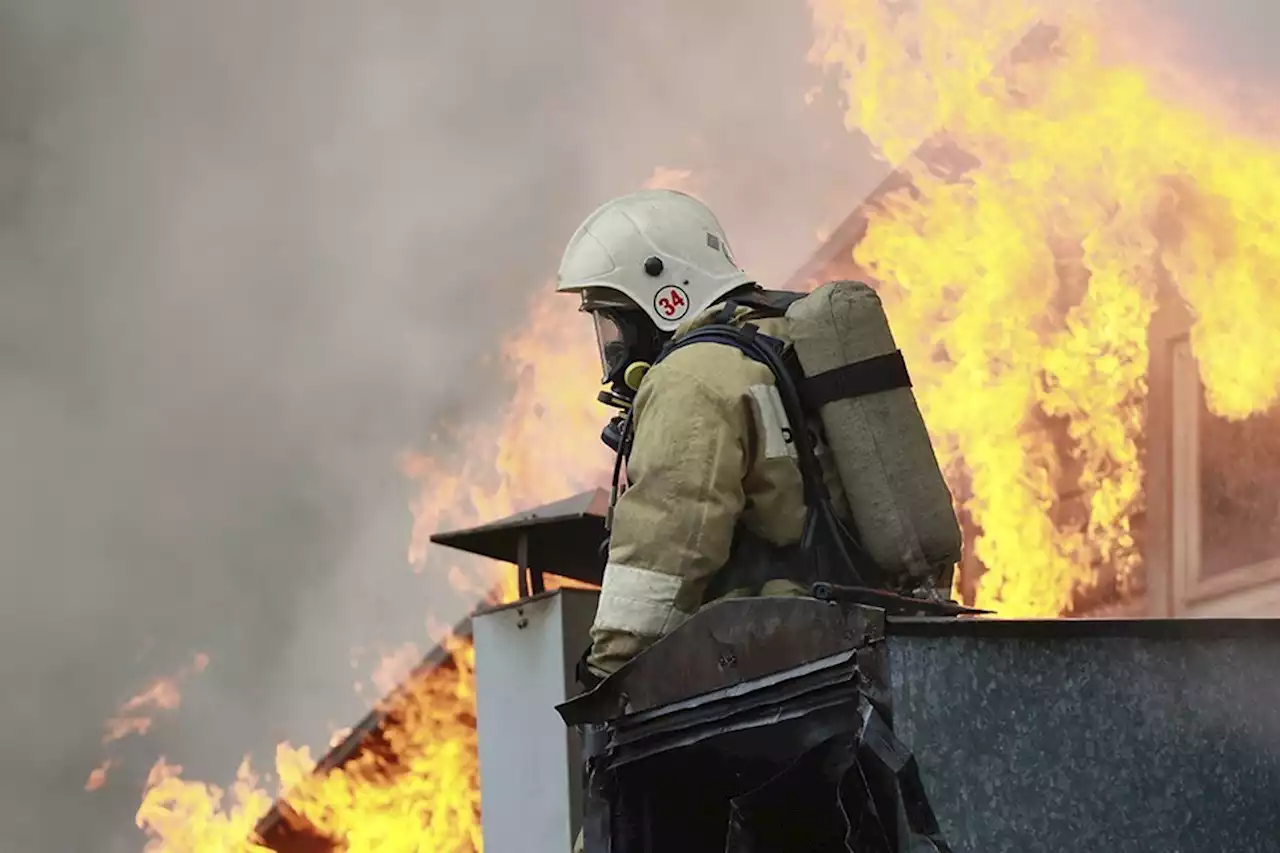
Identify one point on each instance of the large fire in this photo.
(1021, 291)
(1023, 288)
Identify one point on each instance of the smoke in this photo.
(251, 252)
(1234, 37)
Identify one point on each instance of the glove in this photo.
(585, 676)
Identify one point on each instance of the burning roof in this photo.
(565, 536)
(283, 829)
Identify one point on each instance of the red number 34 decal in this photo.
(672, 302)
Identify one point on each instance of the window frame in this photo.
(1192, 591)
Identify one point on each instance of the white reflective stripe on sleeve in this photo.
(773, 418)
(638, 601)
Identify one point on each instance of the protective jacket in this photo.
(715, 505)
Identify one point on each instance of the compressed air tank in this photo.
(899, 501)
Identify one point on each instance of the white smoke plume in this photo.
(249, 253)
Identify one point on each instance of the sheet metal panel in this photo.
(1116, 735)
(530, 762)
(561, 538)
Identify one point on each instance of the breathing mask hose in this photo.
(821, 517)
(622, 451)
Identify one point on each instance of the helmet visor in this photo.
(613, 346)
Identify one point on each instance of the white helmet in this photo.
(663, 250)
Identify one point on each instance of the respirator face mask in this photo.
(624, 333)
(625, 336)
(611, 338)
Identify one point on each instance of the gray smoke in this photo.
(250, 252)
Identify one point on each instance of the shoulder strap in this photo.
(823, 528)
(766, 303)
(768, 351)
(770, 301)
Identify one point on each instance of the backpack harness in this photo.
(826, 539)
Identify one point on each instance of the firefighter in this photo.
(714, 504)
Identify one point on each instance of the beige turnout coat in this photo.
(711, 452)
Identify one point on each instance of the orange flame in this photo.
(98, 776)
(162, 694)
(1023, 289)
(137, 715)
(188, 817)
(395, 667)
(419, 790)
(415, 788)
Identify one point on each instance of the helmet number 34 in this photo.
(671, 302)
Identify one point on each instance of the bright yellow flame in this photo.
(1022, 290)
(417, 790)
(188, 817)
(422, 791)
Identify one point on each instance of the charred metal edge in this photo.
(823, 698)
(583, 505)
(833, 668)
(607, 700)
(723, 712)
